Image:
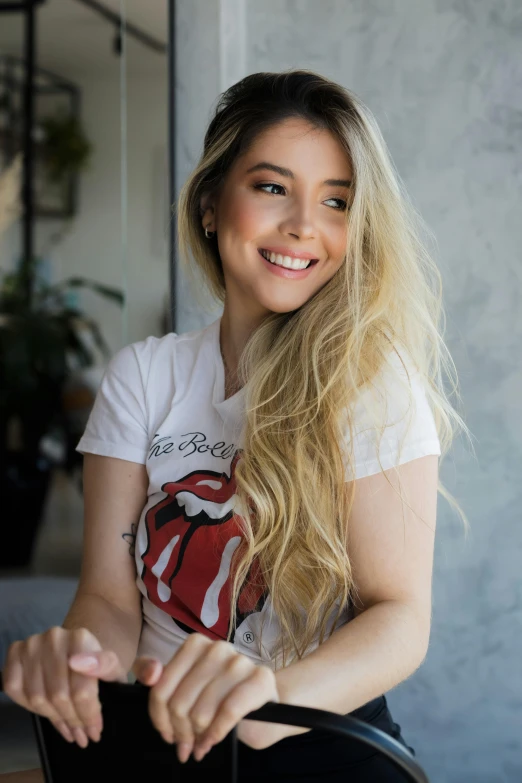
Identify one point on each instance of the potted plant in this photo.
(41, 348)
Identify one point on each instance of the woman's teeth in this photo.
(286, 261)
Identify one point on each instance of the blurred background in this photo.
(121, 94)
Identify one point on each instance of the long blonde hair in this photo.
(304, 370)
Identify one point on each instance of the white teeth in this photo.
(286, 261)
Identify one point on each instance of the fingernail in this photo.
(83, 662)
(65, 731)
(150, 670)
(80, 737)
(206, 749)
(94, 733)
(184, 749)
(200, 752)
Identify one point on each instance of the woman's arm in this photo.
(392, 556)
(108, 602)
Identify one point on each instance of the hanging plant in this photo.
(65, 147)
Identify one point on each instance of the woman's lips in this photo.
(282, 271)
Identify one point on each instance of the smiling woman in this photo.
(285, 523)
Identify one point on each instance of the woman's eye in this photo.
(273, 185)
(268, 185)
(341, 201)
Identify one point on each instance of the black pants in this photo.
(320, 757)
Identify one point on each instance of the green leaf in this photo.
(81, 282)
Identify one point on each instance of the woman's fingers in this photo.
(147, 670)
(104, 665)
(217, 661)
(83, 687)
(76, 713)
(235, 670)
(86, 668)
(36, 677)
(204, 691)
(208, 707)
(248, 694)
(161, 693)
(14, 680)
(49, 674)
(48, 686)
(18, 688)
(63, 729)
(36, 693)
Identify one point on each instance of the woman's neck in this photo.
(234, 333)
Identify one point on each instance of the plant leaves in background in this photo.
(40, 335)
(66, 148)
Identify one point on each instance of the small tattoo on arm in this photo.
(131, 539)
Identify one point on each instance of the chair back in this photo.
(133, 749)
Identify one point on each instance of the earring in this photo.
(209, 234)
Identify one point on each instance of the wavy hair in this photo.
(305, 370)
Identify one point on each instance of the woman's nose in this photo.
(300, 221)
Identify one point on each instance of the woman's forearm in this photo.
(114, 629)
(360, 661)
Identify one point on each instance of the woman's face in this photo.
(287, 194)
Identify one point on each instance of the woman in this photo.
(276, 472)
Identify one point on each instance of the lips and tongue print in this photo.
(192, 535)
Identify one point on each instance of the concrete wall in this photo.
(444, 79)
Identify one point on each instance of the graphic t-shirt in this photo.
(161, 403)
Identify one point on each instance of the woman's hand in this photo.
(43, 674)
(203, 692)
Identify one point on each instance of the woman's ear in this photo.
(207, 210)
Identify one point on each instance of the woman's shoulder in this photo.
(151, 347)
(145, 350)
(137, 357)
(184, 342)
(162, 361)
(397, 377)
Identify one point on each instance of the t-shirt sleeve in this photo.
(410, 432)
(117, 425)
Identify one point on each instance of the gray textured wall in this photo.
(444, 80)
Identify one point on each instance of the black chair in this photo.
(132, 748)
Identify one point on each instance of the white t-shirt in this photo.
(161, 403)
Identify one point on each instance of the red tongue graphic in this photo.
(196, 567)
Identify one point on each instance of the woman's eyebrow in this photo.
(343, 183)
